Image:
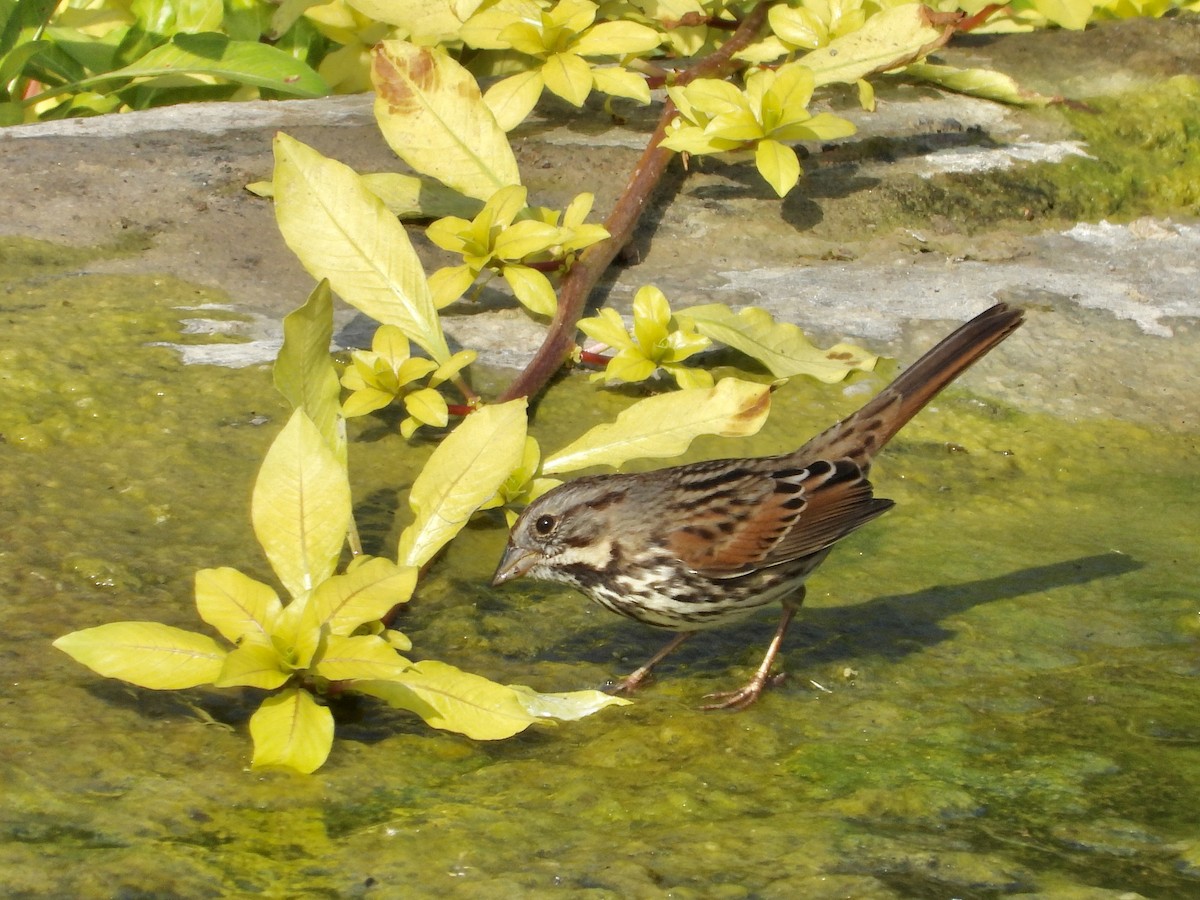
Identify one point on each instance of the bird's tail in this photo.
(860, 436)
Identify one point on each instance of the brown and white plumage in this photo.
(695, 546)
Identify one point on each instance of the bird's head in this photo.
(565, 531)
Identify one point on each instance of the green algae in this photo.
(992, 688)
(1143, 158)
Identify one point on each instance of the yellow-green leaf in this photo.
(464, 471)
(533, 289)
(366, 400)
(147, 654)
(398, 639)
(296, 637)
(800, 26)
(430, 20)
(413, 197)
(341, 231)
(866, 95)
(619, 82)
(569, 76)
(986, 83)
(253, 664)
(1073, 14)
(687, 377)
(665, 425)
(300, 507)
(449, 698)
(513, 98)
(304, 371)
(780, 346)
(887, 40)
(778, 165)
(291, 729)
(568, 707)
(525, 238)
(432, 115)
(451, 367)
(448, 284)
(363, 656)
(364, 594)
(616, 39)
(235, 604)
(607, 328)
(428, 407)
(628, 366)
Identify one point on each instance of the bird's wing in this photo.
(768, 512)
(838, 500)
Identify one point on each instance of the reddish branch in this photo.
(578, 283)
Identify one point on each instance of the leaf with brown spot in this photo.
(432, 114)
(780, 346)
(887, 40)
(666, 425)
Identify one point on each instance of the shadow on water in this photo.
(891, 627)
(895, 626)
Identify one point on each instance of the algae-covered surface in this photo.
(992, 689)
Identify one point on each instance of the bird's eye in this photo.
(544, 524)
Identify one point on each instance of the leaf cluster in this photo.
(328, 637)
(68, 59)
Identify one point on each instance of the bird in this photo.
(697, 546)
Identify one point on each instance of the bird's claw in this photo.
(744, 696)
(626, 685)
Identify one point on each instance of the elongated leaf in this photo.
(255, 663)
(300, 507)
(291, 729)
(363, 594)
(412, 197)
(361, 657)
(235, 604)
(569, 76)
(343, 232)
(568, 707)
(304, 371)
(243, 62)
(295, 636)
(432, 115)
(778, 165)
(464, 472)
(148, 654)
(1072, 14)
(431, 20)
(512, 99)
(454, 700)
(533, 289)
(17, 17)
(780, 346)
(887, 40)
(667, 424)
(987, 83)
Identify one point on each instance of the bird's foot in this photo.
(633, 680)
(744, 696)
(629, 683)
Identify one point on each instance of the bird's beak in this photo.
(515, 563)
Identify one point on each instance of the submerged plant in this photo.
(327, 638)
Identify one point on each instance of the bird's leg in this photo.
(633, 681)
(748, 693)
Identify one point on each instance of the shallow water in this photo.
(992, 689)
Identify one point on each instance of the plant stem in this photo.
(592, 263)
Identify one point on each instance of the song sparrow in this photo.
(699, 545)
